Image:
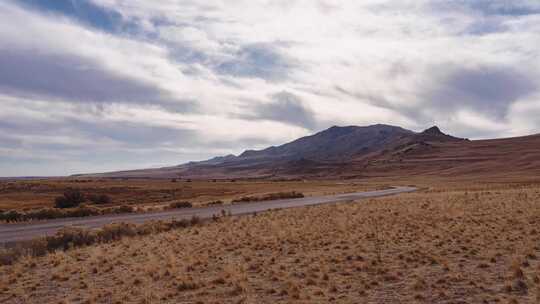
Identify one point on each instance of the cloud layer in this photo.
(96, 85)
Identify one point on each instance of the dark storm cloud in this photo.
(373, 98)
(284, 107)
(487, 89)
(103, 135)
(67, 77)
(92, 133)
(134, 134)
(30, 73)
(380, 100)
(260, 60)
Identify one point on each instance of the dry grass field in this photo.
(451, 245)
(32, 194)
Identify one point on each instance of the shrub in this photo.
(53, 213)
(82, 212)
(100, 199)
(71, 237)
(44, 214)
(115, 232)
(269, 197)
(178, 205)
(124, 209)
(184, 286)
(183, 223)
(48, 213)
(215, 203)
(71, 198)
(12, 216)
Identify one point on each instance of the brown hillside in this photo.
(497, 157)
(373, 151)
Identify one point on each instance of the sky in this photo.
(103, 85)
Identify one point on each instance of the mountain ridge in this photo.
(332, 143)
(349, 151)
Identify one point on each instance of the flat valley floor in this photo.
(451, 243)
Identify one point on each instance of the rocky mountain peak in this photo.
(433, 131)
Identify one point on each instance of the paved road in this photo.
(10, 233)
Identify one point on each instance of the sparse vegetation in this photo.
(99, 199)
(24, 195)
(71, 198)
(34, 200)
(179, 205)
(269, 197)
(476, 245)
(215, 203)
(71, 237)
(54, 213)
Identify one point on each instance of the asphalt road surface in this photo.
(10, 233)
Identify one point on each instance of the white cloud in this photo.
(524, 116)
(204, 69)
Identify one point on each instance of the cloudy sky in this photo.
(98, 85)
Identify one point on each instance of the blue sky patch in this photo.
(85, 12)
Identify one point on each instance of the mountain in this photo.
(333, 144)
(355, 152)
(213, 161)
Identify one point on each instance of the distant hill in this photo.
(352, 151)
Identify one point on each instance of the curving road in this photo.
(10, 233)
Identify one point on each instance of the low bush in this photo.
(11, 216)
(82, 211)
(115, 232)
(72, 237)
(71, 198)
(215, 203)
(178, 205)
(269, 197)
(44, 214)
(123, 209)
(53, 213)
(100, 199)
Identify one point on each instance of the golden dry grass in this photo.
(30, 194)
(439, 246)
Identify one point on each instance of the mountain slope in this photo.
(372, 151)
(335, 143)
